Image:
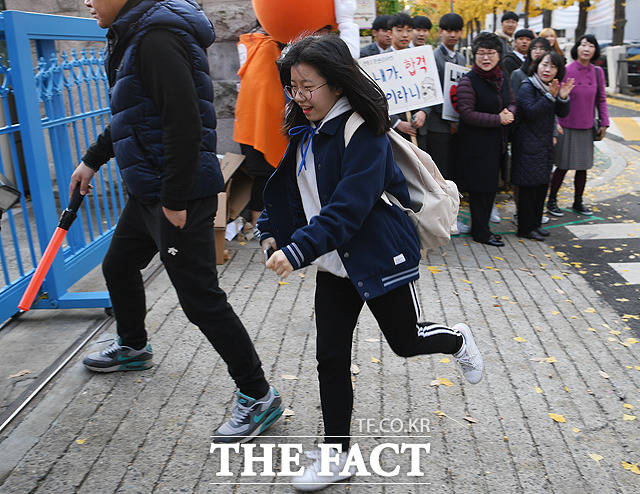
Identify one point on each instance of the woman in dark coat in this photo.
(540, 99)
(486, 107)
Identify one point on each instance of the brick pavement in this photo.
(149, 431)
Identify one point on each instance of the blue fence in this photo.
(54, 99)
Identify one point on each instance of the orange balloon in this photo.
(285, 20)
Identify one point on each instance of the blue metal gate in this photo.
(55, 102)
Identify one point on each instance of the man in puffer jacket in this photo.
(162, 134)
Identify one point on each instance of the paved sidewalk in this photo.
(550, 346)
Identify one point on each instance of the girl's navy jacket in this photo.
(377, 242)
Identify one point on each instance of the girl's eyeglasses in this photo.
(305, 93)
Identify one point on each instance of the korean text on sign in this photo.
(408, 78)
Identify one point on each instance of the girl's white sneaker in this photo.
(311, 480)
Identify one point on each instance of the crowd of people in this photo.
(503, 138)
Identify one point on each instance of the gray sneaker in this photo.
(119, 358)
(250, 417)
(468, 357)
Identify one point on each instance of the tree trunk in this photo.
(581, 28)
(495, 20)
(546, 18)
(478, 26)
(619, 23)
(526, 14)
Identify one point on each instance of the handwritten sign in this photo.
(365, 13)
(408, 78)
(452, 75)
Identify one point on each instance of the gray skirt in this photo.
(574, 150)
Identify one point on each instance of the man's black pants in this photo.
(189, 257)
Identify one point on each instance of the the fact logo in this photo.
(289, 459)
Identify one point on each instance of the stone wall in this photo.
(230, 18)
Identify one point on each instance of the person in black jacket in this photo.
(381, 37)
(514, 60)
(162, 134)
(541, 98)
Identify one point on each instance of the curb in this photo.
(618, 164)
(623, 97)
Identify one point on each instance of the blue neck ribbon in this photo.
(308, 131)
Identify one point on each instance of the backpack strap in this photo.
(354, 121)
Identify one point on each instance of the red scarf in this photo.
(494, 75)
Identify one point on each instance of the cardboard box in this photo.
(232, 201)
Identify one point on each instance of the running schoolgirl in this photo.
(323, 206)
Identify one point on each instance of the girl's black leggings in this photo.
(338, 306)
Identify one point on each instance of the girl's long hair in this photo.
(545, 32)
(330, 57)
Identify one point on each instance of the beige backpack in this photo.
(434, 200)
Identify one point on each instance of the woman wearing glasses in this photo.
(486, 107)
(323, 206)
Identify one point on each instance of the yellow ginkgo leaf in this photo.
(283, 282)
(575, 429)
(519, 339)
(592, 329)
(628, 417)
(539, 390)
(444, 360)
(81, 441)
(550, 360)
(631, 341)
(445, 381)
(556, 277)
(434, 269)
(498, 258)
(633, 467)
(374, 360)
(595, 457)
(555, 312)
(591, 310)
(566, 389)
(466, 281)
(628, 406)
(622, 299)
(557, 418)
(615, 332)
(439, 413)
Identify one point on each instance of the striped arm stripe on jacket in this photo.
(402, 275)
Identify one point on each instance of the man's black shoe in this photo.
(544, 233)
(533, 235)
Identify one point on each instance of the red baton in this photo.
(66, 219)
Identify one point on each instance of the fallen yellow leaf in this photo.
(283, 282)
(615, 332)
(633, 467)
(566, 389)
(288, 412)
(628, 406)
(595, 457)
(81, 441)
(466, 281)
(591, 310)
(439, 413)
(444, 360)
(445, 381)
(631, 341)
(374, 360)
(628, 417)
(539, 390)
(519, 339)
(557, 418)
(556, 277)
(498, 258)
(434, 269)
(575, 429)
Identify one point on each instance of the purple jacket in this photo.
(583, 97)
